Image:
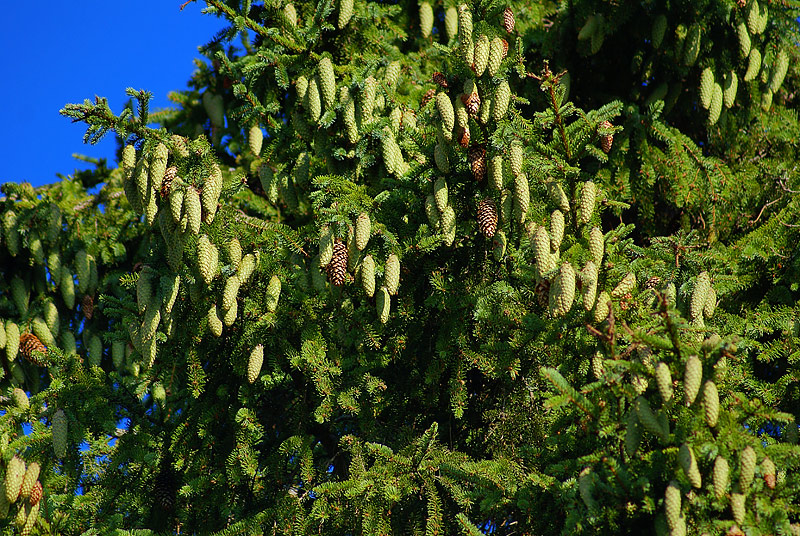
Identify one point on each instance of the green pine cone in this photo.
(659, 29)
(664, 381)
(753, 65)
(425, 19)
(230, 292)
(440, 194)
(327, 78)
(215, 108)
(118, 355)
(689, 465)
(40, 329)
(176, 196)
(446, 112)
(82, 268)
(465, 33)
(565, 283)
(496, 172)
(325, 246)
(255, 138)
(738, 507)
(432, 212)
(367, 101)
(625, 286)
(50, 318)
(144, 288)
(193, 210)
(589, 277)
(207, 259)
(585, 487)
(462, 117)
(449, 225)
(214, 322)
(363, 229)
(254, 363)
(20, 295)
(557, 195)
(515, 157)
(729, 87)
(711, 303)
(59, 429)
(744, 39)
(233, 250)
(150, 322)
(692, 379)
(11, 232)
(20, 399)
(672, 504)
(589, 28)
(715, 108)
(345, 13)
(12, 340)
(587, 202)
(392, 74)
(313, 102)
(481, 55)
(753, 18)
(67, 288)
(35, 247)
(128, 161)
(711, 403)
(273, 294)
(541, 245)
(522, 197)
(451, 23)
(692, 46)
(720, 476)
(706, 87)
(368, 275)
(29, 480)
(229, 315)
(495, 58)
(502, 97)
(349, 114)
(383, 303)
(247, 267)
(212, 188)
(557, 226)
(598, 36)
(747, 468)
(391, 274)
(499, 243)
(780, 67)
(486, 110)
(15, 473)
(158, 165)
(440, 157)
(702, 286)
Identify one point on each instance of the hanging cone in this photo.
(337, 268)
(487, 217)
(32, 349)
(477, 162)
(608, 139)
(508, 20)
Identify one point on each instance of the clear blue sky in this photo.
(59, 52)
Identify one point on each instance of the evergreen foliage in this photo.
(400, 268)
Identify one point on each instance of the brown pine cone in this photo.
(487, 217)
(427, 97)
(508, 20)
(477, 162)
(439, 78)
(32, 349)
(472, 102)
(36, 494)
(87, 306)
(505, 48)
(337, 268)
(463, 139)
(606, 140)
(166, 182)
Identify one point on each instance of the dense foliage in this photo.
(406, 268)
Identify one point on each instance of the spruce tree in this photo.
(421, 268)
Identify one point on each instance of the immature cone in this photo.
(738, 507)
(747, 468)
(313, 102)
(502, 97)
(193, 209)
(606, 140)
(711, 303)
(753, 65)
(207, 259)
(465, 33)
(273, 294)
(585, 486)
(12, 340)
(383, 303)
(508, 20)
(477, 162)
(648, 419)
(20, 398)
(715, 108)
(692, 379)
(589, 284)
(522, 197)
(449, 225)
(337, 267)
(557, 226)
(625, 286)
(446, 112)
(768, 471)
(664, 381)
(440, 194)
(587, 202)
(327, 81)
(563, 290)
(15, 473)
(255, 138)
(362, 229)
(672, 504)
(496, 172)
(368, 275)
(345, 12)
(691, 48)
(214, 107)
(602, 308)
(451, 22)
(254, 363)
(515, 157)
(487, 217)
(391, 275)
(689, 465)
(779, 71)
(706, 87)
(440, 157)
(214, 322)
(699, 295)
(711, 403)
(425, 19)
(496, 55)
(325, 246)
(633, 434)
(720, 476)
(32, 349)
(481, 55)
(658, 31)
(29, 480)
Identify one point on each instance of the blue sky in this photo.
(54, 53)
